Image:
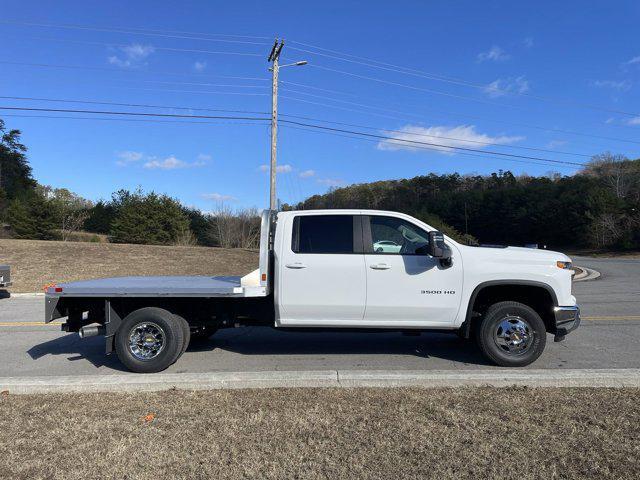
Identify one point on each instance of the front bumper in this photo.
(567, 319)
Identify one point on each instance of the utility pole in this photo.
(274, 57)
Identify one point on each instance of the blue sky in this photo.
(555, 76)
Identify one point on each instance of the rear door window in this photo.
(323, 234)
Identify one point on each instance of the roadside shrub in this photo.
(146, 218)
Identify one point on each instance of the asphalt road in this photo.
(608, 338)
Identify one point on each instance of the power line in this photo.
(412, 143)
(413, 87)
(134, 32)
(424, 135)
(95, 102)
(141, 114)
(117, 70)
(431, 149)
(448, 147)
(199, 84)
(145, 120)
(456, 81)
(131, 29)
(397, 131)
(123, 45)
(317, 88)
(478, 117)
(206, 92)
(523, 125)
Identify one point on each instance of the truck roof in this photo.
(342, 211)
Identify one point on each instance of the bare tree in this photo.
(185, 237)
(614, 169)
(236, 229)
(72, 210)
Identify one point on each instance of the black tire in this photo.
(186, 334)
(170, 331)
(490, 335)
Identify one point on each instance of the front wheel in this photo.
(511, 334)
(149, 340)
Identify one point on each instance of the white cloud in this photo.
(127, 157)
(459, 136)
(504, 86)
(556, 143)
(286, 168)
(633, 61)
(169, 163)
(131, 55)
(152, 162)
(620, 85)
(218, 197)
(307, 173)
(199, 66)
(331, 182)
(494, 54)
(634, 121)
(204, 157)
(528, 42)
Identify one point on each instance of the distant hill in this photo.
(598, 207)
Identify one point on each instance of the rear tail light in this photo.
(52, 288)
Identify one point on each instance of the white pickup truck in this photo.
(339, 269)
(5, 276)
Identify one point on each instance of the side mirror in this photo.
(437, 248)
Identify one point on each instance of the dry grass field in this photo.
(324, 433)
(37, 263)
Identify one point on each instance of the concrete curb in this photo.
(25, 295)
(586, 274)
(135, 383)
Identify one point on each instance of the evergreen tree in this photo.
(15, 172)
(147, 218)
(30, 217)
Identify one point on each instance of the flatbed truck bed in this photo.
(162, 286)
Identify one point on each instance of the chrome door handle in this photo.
(296, 265)
(380, 266)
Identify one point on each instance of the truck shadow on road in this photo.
(364, 348)
(255, 341)
(76, 349)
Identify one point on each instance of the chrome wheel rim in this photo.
(513, 335)
(146, 340)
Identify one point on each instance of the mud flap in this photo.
(112, 322)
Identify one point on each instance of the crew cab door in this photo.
(405, 286)
(322, 279)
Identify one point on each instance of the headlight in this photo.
(564, 265)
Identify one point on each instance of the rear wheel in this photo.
(186, 333)
(149, 340)
(511, 334)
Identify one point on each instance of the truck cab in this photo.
(338, 269)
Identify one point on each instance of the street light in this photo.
(274, 57)
(296, 64)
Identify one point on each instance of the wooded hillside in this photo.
(597, 207)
